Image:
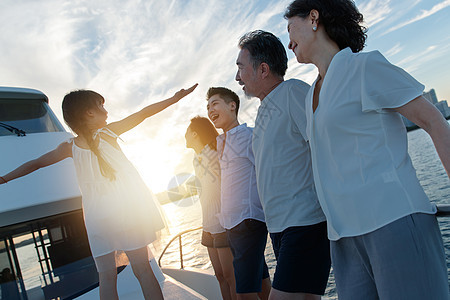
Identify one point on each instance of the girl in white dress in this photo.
(119, 211)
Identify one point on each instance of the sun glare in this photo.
(156, 161)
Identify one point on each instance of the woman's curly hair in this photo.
(340, 18)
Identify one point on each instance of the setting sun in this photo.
(156, 161)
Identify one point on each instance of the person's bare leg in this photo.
(143, 271)
(279, 295)
(107, 281)
(265, 289)
(226, 260)
(217, 266)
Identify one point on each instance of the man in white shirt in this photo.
(295, 221)
(241, 213)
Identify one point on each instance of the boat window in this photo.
(9, 285)
(46, 259)
(31, 116)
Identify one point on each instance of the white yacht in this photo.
(44, 250)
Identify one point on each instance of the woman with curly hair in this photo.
(385, 240)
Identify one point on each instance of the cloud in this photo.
(397, 48)
(417, 60)
(424, 14)
(307, 73)
(375, 11)
(35, 47)
(134, 53)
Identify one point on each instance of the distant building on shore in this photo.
(441, 105)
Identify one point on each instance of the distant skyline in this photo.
(137, 52)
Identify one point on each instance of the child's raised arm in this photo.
(135, 119)
(63, 151)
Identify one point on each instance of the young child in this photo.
(201, 136)
(241, 211)
(119, 211)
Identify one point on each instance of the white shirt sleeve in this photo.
(384, 85)
(249, 147)
(297, 94)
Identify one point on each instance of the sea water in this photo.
(187, 213)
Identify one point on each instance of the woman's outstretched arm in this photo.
(429, 118)
(63, 151)
(135, 119)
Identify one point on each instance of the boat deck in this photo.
(129, 289)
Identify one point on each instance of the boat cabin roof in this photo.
(21, 93)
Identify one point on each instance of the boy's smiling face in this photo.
(221, 113)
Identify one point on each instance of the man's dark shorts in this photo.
(247, 242)
(303, 259)
(215, 240)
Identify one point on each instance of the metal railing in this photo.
(178, 236)
(443, 210)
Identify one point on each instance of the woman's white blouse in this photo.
(362, 170)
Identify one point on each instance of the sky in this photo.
(136, 53)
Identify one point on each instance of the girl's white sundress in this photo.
(120, 215)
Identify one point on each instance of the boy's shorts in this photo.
(247, 242)
(303, 259)
(214, 240)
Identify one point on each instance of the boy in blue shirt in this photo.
(241, 212)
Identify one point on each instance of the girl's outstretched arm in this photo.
(135, 119)
(63, 151)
